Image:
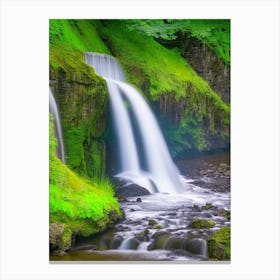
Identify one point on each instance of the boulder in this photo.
(160, 241)
(173, 243)
(197, 246)
(60, 238)
(202, 223)
(131, 191)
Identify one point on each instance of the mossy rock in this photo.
(202, 223)
(158, 226)
(60, 237)
(207, 206)
(195, 246)
(145, 232)
(219, 244)
(152, 222)
(173, 243)
(159, 241)
(226, 214)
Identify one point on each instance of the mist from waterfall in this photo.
(159, 173)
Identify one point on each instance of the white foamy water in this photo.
(57, 127)
(161, 174)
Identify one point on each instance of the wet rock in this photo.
(173, 243)
(160, 240)
(219, 244)
(172, 214)
(145, 231)
(105, 243)
(117, 241)
(114, 216)
(207, 206)
(138, 199)
(142, 237)
(60, 238)
(206, 215)
(129, 244)
(131, 190)
(152, 222)
(197, 246)
(201, 223)
(121, 198)
(225, 214)
(158, 226)
(195, 208)
(58, 253)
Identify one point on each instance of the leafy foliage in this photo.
(213, 33)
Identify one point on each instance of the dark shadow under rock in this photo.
(131, 190)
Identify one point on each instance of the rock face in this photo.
(210, 67)
(193, 122)
(83, 105)
(59, 238)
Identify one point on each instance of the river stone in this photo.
(196, 246)
(131, 191)
(105, 243)
(159, 241)
(117, 241)
(173, 243)
(131, 244)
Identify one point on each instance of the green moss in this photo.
(66, 238)
(81, 95)
(219, 244)
(158, 226)
(160, 241)
(207, 206)
(201, 223)
(226, 214)
(152, 222)
(213, 33)
(84, 206)
(145, 231)
(165, 69)
(74, 139)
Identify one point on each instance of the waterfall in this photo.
(57, 127)
(160, 173)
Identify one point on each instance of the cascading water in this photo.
(57, 126)
(161, 174)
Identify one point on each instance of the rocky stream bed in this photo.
(192, 226)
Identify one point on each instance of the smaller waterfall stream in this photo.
(160, 173)
(57, 127)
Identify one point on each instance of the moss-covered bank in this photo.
(77, 206)
(219, 244)
(81, 95)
